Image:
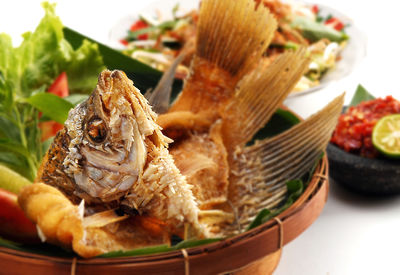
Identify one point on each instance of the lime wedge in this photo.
(12, 181)
(386, 135)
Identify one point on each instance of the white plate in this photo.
(351, 55)
(163, 7)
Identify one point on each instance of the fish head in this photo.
(108, 138)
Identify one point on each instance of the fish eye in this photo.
(96, 130)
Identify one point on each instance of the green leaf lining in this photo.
(360, 95)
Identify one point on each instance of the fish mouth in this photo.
(112, 83)
(108, 85)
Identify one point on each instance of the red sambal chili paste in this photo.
(354, 129)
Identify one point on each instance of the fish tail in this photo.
(231, 38)
(264, 168)
(259, 95)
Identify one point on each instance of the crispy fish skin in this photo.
(51, 169)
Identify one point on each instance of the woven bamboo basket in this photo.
(256, 251)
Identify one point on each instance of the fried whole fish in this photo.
(112, 154)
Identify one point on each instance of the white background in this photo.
(354, 234)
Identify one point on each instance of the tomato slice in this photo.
(60, 86)
(49, 129)
(14, 224)
(335, 23)
(138, 25)
(124, 42)
(315, 9)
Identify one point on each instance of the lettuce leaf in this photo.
(44, 54)
(315, 31)
(84, 67)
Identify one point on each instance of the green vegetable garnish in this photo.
(26, 72)
(295, 189)
(12, 181)
(167, 25)
(158, 249)
(51, 106)
(315, 31)
(291, 45)
(175, 10)
(360, 95)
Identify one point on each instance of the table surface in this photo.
(354, 234)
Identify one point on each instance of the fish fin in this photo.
(231, 38)
(265, 167)
(233, 42)
(260, 94)
(160, 97)
(102, 219)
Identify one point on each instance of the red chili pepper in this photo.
(339, 26)
(124, 42)
(354, 129)
(315, 9)
(138, 25)
(335, 23)
(144, 36)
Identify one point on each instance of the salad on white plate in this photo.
(334, 44)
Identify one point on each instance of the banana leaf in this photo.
(158, 249)
(43, 249)
(361, 94)
(143, 76)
